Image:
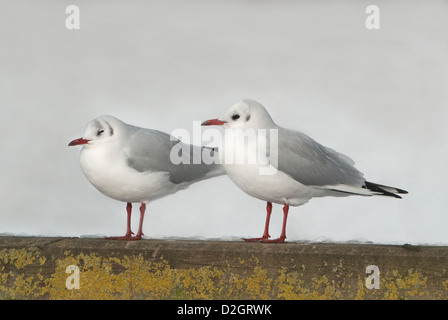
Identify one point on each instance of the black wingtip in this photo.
(381, 189)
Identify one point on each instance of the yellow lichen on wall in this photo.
(202, 283)
(14, 286)
(27, 274)
(135, 278)
(292, 286)
(396, 285)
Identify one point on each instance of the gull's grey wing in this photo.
(149, 150)
(313, 164)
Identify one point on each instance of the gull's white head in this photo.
(99, 131)
(242, 115)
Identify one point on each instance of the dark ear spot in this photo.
(248, 117)
(111, 130)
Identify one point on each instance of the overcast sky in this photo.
(378, 96)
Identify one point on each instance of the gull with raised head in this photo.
(134, 165)
(302, 168)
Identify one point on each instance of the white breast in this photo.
(254, 175)
(107, 170)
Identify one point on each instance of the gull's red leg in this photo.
(283, 234)
(266, 226)
(128, 227)
(129, 233)
(139, 234)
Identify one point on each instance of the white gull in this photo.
(303, 168)
(133, 164)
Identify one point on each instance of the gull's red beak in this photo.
(77, 142)
(213, 122)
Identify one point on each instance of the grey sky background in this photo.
(379, 96)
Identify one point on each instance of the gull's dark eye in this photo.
(235, 116)
(100, 132)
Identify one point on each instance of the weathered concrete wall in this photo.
(35, 268)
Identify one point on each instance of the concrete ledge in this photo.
(36, 268)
